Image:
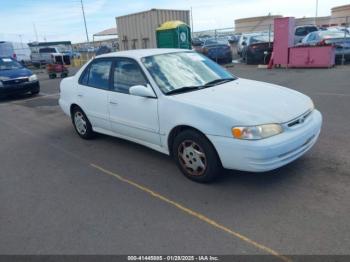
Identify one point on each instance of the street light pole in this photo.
(86, 31)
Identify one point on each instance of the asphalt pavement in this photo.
(64, 195)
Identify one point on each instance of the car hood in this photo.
(250, 102)
(16, 73)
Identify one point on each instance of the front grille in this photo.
(300, 119)
(15, 81)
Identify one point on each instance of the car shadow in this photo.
(264, 180)
(226, 178)
(13, 98)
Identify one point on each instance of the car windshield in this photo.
(174, 71)
(9, 64)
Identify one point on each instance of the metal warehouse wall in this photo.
(254, 24)
(138, 30)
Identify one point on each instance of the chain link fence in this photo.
(237, 35)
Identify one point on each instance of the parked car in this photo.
(196, 41)
(16, 79)
(19, 51)
(301, 31)
(218, 50)
(197, 44)
(72, 54)
(339, 29)
(257, 49)
(103, 50)
(185, 105)
(232, 39)
(46, 55)
(339, 39)
(242, 40)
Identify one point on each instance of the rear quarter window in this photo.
(301, 31)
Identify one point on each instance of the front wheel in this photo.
(196, 157)
(82, 124)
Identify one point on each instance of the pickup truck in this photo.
(46, 55)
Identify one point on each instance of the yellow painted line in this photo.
(195, 214)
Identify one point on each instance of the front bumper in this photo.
(271, 153)
(20, 88)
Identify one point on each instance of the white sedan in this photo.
(183, 104)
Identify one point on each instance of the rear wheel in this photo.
(82, 124)
(196, 157)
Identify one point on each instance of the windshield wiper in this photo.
(183, 89)
(218, 81)
(209, 84)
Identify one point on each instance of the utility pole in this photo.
(36, 33)
(20, 37)
(86, 31)
(316, 14)
(192, 19)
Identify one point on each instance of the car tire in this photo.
(82, 124)
(196, 157)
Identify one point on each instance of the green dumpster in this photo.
(174, 34)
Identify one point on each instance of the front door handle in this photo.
(113, 103)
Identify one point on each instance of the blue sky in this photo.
(62, 20)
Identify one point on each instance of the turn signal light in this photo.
(237, 132)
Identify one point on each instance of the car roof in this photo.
(300, 26)
(139, 53)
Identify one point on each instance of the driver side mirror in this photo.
(244, 43)
(143, 91)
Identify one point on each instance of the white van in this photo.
(19, 51)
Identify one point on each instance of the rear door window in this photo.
(97, 74)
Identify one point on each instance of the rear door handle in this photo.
(113, 103)
(80, 95)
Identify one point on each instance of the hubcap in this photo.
(80, 123)
(192, 158)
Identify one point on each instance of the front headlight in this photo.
(312, 106)
(33, 78)
(256, 132)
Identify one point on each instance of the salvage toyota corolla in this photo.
(185, 105)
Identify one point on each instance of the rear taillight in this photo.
(14, 56)
(323, 42)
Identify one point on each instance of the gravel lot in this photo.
(55, 201)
